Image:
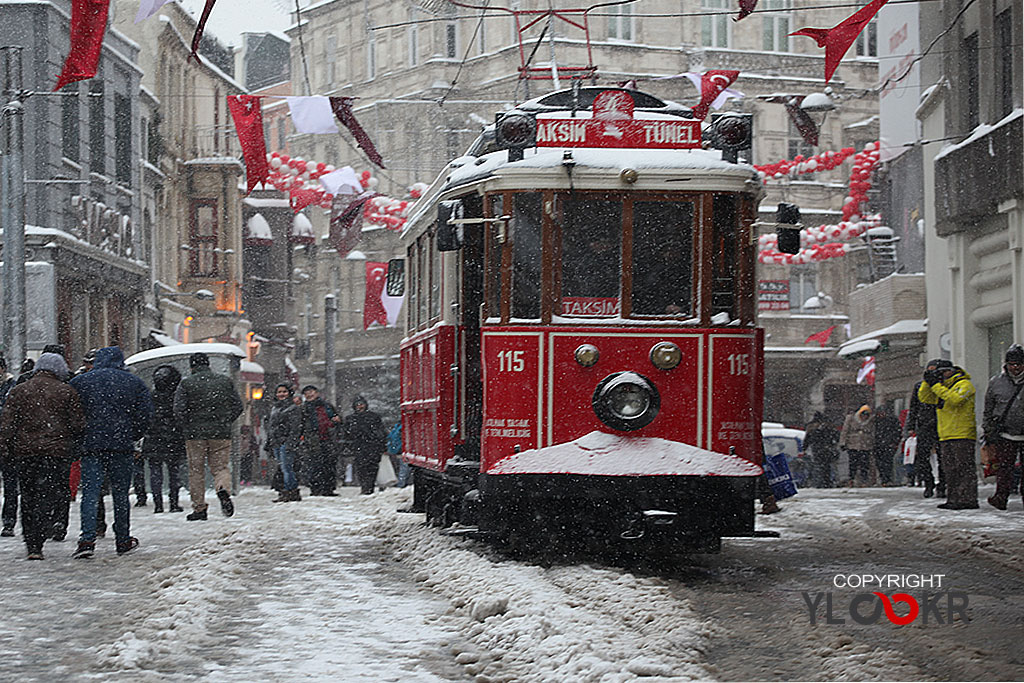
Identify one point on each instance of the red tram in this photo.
(581, 356)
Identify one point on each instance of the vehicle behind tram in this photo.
(581, 360)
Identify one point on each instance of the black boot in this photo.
(226, 506)
(158, 504)
(197, 516)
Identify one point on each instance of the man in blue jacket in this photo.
(118, 408)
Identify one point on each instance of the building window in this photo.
(281, 121)
(970, 89)
(202, 240)
(776, 26)
(97, 129)
(481, 35)
(803, 284)
(70, 124)
(1004, 62)
(620, 23)
(714, 29)
(413, 35)
(154, 143)
(331, 59)
(451, 40)
(122, 140)
(867, 40)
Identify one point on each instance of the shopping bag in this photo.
(988, 461)
(780, 480)
(386, 473)
(909, 450)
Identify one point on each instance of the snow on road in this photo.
(348, 589)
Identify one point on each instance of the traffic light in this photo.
(787, 228)
(730, 132)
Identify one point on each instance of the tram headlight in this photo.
(665, 355)
(626, 401)
(586, 355)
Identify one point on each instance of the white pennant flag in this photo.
(312, 114)
(342, 181)
(148, 8)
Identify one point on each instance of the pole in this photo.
(12, 216)
(330, 381)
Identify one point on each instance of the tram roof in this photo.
(545, 168)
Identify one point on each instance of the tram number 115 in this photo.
(511, 361)
(739, 363)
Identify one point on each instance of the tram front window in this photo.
(591, 247)
(526, 256)
(662, 258)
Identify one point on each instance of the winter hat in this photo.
(166, 378)
(198, 359)
(358, 400)
(55, 363)
(941, 364)
(1015, 354)
(864, 411)
(27, 365)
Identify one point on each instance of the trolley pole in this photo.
(330, 316)
(12, 217)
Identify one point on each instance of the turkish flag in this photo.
(746, 7)
(712, 83)
(803, 122)
(200, 27)
(347, 221)
(866, 374)
(838, 39)
(342, 107)
(373, 307)
(245, 111)
(820, 337)
(88, 23)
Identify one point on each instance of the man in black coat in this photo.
(366, 439)
(7, 469)
(319, 425)
(165, 442)
(118, 408)
(887, 440)
(821, 441)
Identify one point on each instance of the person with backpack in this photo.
(164, 443)
(366, 439)
(1003, 424)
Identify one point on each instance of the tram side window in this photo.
(495, 243)
(662, 258)
(414, 272)
(434, 256)
(423, 282)
(725, 227)
(591, 257)
(526, 255)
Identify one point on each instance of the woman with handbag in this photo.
(1003, 424)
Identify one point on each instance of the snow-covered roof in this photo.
(209, 348)
(266, 203)
(249, 371)
(900, 327)
(603, 454)
(302, 227)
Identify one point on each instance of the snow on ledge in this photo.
(602, 454)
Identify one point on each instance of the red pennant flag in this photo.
(342, 107)
(746, 7)
(346, 221)
(88, 23)
(838, 39)
(803, 122)
(712, 83)
(245, 111)
(200, 27)
(820, 337)
(299, 199)
(373, 308)
(866, 373)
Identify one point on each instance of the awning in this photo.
(258, 231)
(250, 372)
(302, 230)
(857, 348)
(865, 344)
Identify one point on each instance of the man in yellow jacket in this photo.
(950, 388)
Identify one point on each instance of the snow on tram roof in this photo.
(209, 348)
(468, 169)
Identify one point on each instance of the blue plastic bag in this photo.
(780, 480)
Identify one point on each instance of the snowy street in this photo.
(348, 589)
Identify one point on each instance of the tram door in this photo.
(471, 300)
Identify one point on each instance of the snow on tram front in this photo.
(581, 357)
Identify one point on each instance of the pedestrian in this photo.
(164, 443)
(821, 441)
(118, 409)
(394, 445)
(1002, 423)
(283, 432)
(922, 422)
(319, 426)
(207, 405)
(949, 387)
(887, 442)
(40, 422)
(366, 439)
(8, 472)
(25, 373)
(858, 438)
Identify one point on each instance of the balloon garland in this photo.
(824, 161)
(298, 178)
(822, 242)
